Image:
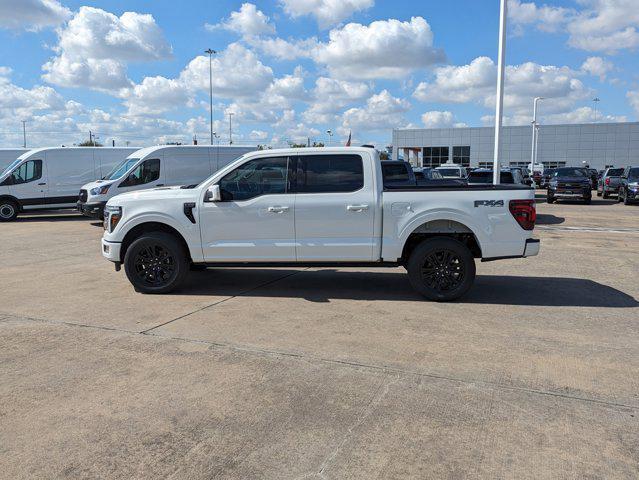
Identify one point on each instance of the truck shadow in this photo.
(327, 284)
(59, 217)
(549, 219)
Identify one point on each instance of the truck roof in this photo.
(34, 151)
(311, 150)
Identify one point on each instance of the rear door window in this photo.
(329, 173)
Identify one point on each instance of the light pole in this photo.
(231, 128)
(211, 52)
(24, 134)
(596, 100)
(536, 144)
(501, 67)
(533, 149)
(330, 136)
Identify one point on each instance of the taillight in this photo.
(524, 212)
(608, 181)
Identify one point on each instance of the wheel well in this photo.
(13, 199)
(441, 228)
(148, 227)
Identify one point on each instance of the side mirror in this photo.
(213, 194)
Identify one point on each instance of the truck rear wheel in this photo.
(8, 210)
(156, 263)
(441, 269)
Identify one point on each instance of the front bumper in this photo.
(93, 210)
(569, 193)
(111, 250)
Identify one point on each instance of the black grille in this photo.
(83, 195)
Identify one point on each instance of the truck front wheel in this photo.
(8, 210)
(156, 263)
(441, 269)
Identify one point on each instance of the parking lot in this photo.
(323, 373)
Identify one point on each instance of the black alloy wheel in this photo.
(156, 263)
(441, 269)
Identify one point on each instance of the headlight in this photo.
(112, 216)
(100, 190)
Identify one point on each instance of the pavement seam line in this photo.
(231, 297)
(347, 363)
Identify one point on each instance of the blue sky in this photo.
(292, 69)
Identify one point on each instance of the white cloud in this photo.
(258, 135)
(605, 26)
(382, 112)
(237, 72)
(476, 82)
(383, 49)
(94, 47)
(331, 96)
(326, 12)
(597, 67)
(155, 95)
(546, 18)
(439, 119)
(19, 103)
(577, 115)
(285, 49)
(633, 98)
(32, 14)
(248, 22)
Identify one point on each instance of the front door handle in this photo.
(356, 208)
(160, 185)
(43, 183)
(277, 209)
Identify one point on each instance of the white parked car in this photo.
(452, 170)
(317, 206)
(169, 165)
(49, 178)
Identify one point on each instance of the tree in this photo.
(90, 143)
(384, 155)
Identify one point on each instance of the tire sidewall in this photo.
(168, 242)
(8, 204)
(425, 248)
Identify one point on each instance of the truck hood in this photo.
(153, 194)
(572, 179)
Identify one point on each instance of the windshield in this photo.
(121, 168)
(449, 172)
(571, 172)
(11, 167)
(633, 174)
(487, 177)
(614, 172)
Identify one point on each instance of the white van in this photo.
(169, 165)
(8, 156)
(49, 178)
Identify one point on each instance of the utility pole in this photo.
(330, 137)
(231, 128)
(501, 67)
(90, 138)
(24, 134)
(533, 150)
(211, 52)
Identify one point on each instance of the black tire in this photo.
(550, 199)
(8, 210)
(599, 194)
(441, 269)
(605, 195)
(625, 199)
(156, 263)
(588, 200)
(619, 197)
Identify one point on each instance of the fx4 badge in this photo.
(489, 203)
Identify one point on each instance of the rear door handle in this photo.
(356, 208)
(278, 209)
(160, 185)
(44, 183)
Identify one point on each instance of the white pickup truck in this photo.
(317, 207)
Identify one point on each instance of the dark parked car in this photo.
(427, 173)
(481, 176)
(609, 182)
(524, 173)
(570, 183)
(629, 186)
(545, 177)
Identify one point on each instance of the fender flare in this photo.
(6, 196)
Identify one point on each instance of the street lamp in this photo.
(330, 137)
(231, 128)
(211, 52)
(500, 87)
(596, 100)
(533, 152)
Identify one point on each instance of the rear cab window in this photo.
(329, 173)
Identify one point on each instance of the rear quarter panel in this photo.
(496, 230)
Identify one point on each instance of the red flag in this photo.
(348, 142)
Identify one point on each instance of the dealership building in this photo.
(597, 145)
